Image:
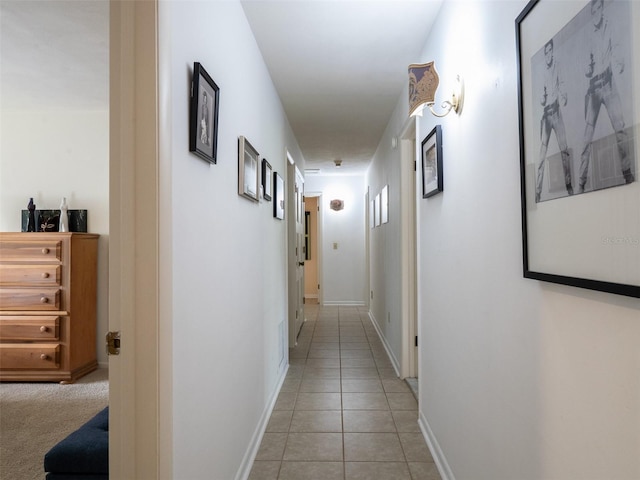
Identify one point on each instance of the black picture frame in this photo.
(432, 177)
(248, 170)
(267, 173)
(278, 195)
(203, 118)
(578, 227)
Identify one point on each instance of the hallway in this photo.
(342, 413)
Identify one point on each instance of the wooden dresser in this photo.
(47, 306)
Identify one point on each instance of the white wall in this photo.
(518, 378)
(343, 268)
(50, 154)
(229, 287)
(385, 256)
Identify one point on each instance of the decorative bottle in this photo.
(64, 217)
(31, 220)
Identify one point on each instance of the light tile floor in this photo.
(342, 413)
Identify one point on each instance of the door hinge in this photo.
(318, 286)
(416, 340)
(113, 343)
(415, 166)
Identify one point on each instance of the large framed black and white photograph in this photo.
(203, 121)
(432, 181)
(248, 171)
(579, 124)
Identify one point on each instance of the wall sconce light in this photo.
(423, 83)
(338, 162)
(336, 205)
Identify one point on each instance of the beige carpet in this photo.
(36, 416)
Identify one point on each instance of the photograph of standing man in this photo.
(602, 90)
(552, 95)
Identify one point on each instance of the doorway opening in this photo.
(313, 250)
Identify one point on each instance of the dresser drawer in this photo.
(39, 299)
(30, 356)
(46, 275)
(31, 251)
(41, 327)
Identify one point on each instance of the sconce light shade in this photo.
(336, 205)
(423, 83)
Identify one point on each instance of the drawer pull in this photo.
(45, 275)
(44, 356)
(45, 251)
(44, 329)
(44, 300)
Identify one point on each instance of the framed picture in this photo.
(372, 214)
(248, 172)
(267, 173)
(203, 122)
(376, 211)
(578, 119)
(432, 163)
(278, 195)
(384, 205)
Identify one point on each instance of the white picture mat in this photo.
(596, 235)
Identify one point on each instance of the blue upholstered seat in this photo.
(84, 454)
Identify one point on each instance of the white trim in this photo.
(252, 450)
(344, 303)
(436, 452)
(392, 358)
(408, 225)
(134, 302)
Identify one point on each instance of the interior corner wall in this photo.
(518, 378)
(229, 265)
(343, 270)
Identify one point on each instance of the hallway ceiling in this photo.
(339, 67)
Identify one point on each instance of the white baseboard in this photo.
(383, 339)
(434, 447)
(256, 440)
(344, 303)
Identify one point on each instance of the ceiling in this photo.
(339, 66)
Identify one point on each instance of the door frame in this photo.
(408, 186)
(135, 450)
(292, 255)
(318, 241)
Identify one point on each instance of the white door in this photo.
(296, 252)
